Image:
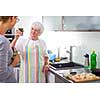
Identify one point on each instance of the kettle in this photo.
(86, 63)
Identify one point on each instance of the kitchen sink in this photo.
(66, 65)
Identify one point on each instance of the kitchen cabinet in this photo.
(81, 23)
(52, 22)
(51, 77)
(77, 23)
(72, 23)
(54, 78)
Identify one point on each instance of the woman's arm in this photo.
(46, 64)
(15, 61)
(46, 60)
(17, 35)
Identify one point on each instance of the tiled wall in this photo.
(84, 42)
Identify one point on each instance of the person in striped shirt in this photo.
(6, 68)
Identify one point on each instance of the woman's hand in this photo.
(45, 68)
(18, 34)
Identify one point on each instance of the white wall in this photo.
(26, 22)
(89, 41)
(84, 42)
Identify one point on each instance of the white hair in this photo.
(38, 26)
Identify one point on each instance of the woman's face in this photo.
(34, 33)
(12, 21)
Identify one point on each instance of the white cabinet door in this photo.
(51, 77)
(52, 23)
(81, 22)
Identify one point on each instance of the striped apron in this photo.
(31, 65)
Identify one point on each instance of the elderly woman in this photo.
(34, 58)
(6, 70)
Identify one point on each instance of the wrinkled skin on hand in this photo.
(18, 33)
(45, 69)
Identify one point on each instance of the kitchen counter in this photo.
(61, 79)
(59, 75)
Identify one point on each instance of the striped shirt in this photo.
(6, 72)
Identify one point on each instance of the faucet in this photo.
(70, 52)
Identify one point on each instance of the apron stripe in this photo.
(24, 64)
(42, 64)
(37, 64)
(26, 67)
(39, 67)
(32, 66)
(29, 65)
(35, 67)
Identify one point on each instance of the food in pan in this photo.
(82, 77)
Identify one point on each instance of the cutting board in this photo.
(82, 80)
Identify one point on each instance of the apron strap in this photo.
(26, 43)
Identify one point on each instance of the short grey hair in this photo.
(39, 26)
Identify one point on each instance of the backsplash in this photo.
(84, 42)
